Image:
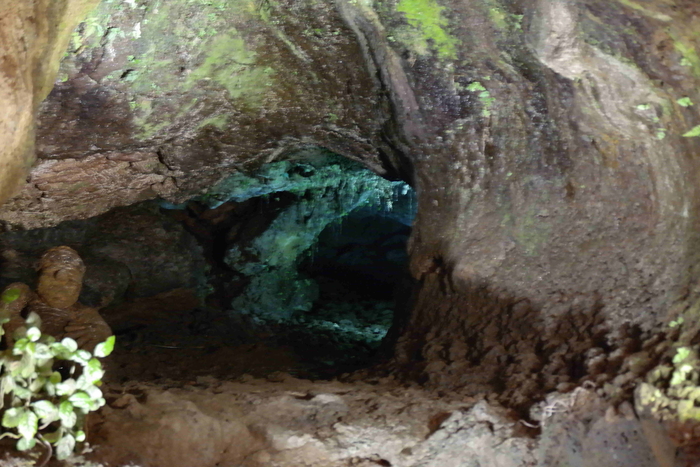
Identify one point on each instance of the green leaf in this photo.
(11, 417)
(64, 447)
(27, 365)
(45, 410)
(93, 371)
(10, 295)
(94, 392)
(60, 351)
(685, 102)
(69, 344)
(694, 132)
(81, 400)
(25, 444)
(105, 348)
(54, 437)
(28, 424)
(37, 385)
(20, 344)
(67, 414)
(43, 351)
(7, 385)
(66, 388)
(80, 436)
(81, 356)
(55, 377)
(33, 334)
(476, 86)
(22, 393)
(33, 320)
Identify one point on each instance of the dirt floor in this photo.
(189, 389)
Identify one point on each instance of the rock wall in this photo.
(562, 218)
(551, 144)
(33, 37)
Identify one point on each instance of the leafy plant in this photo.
(484, 96)
(692, 133)
(685, 102)
(41, 404)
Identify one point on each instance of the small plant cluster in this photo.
(36, 402)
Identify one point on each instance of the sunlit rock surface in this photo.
(34, 35)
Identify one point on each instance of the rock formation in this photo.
(551, 144)
(34, 36)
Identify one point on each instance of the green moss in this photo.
(328, 188)
(498, 18)
(163, 87)
(426, 16)
(150, 129)
(484, 97)
(688, 411)
(232, 66)
(689, 54)
(505, 21)
(217, 121)
(646, 11)
(531, 234)
(682, 354)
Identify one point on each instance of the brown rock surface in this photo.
(33, 36)
(553, 160)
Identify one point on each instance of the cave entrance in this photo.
(309, 252)
(292, 268)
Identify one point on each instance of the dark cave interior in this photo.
(305, 257)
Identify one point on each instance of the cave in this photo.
(351, 233)
(307, 253)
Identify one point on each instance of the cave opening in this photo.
(309, 251)
(294, 267)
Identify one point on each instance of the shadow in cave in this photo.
(360, 265)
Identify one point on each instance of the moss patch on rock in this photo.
(428, 20)
(171, 54)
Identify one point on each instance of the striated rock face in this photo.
(33, 36)
(551, 144)
(87, 187)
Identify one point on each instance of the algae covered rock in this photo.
(326, 189)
